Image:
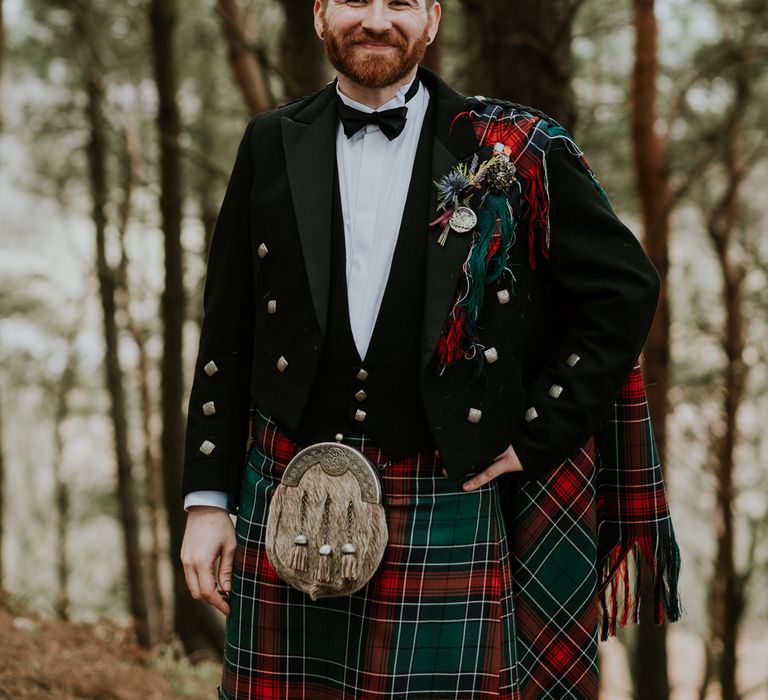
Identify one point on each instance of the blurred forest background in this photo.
(119, 125)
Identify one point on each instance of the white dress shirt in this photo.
(373, 193)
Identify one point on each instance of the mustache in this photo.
(363, 36)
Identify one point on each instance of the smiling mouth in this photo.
(370, 45)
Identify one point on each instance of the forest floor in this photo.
(49, 659)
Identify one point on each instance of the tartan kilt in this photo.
(435, 621)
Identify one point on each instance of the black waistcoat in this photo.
(383, 400)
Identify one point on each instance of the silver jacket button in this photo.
(503, 295)
(361, 395)
(360, 415)
(555, 390)
(207, 447)
(282, 364)
(531, 414)
(362, 375)
(263, 251)
(210, 368)
(272, 306)
(572, 360)
(474, 416)
(491, 355)
(209, 408)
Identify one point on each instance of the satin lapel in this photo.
(453, 142)
(309, 140)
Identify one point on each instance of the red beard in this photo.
(373, 70)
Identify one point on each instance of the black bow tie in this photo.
(390, 121)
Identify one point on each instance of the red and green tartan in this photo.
(633, 513)
(435, 621)
(458, 607)
(552, 530)
(571, 535)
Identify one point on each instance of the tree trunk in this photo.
(191, 620)
(726, 595)
(246, 68)
(2, 61)
(302, 59)
(652, 178)
(2, 491)
(207, 179)
(63, 389)
(153, 490)
(523, 53)
(97, 152)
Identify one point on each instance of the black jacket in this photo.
(577, 322)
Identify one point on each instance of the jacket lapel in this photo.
(309, 140)
(454, 141)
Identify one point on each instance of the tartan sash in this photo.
(633, 514)
(573, 534)
(633, 517)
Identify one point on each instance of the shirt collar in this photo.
(397, 101)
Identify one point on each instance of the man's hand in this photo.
(507, 461)
(209, 536)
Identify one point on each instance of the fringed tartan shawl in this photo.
(633, 518)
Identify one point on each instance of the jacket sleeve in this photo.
(217, 417)
(600, 275)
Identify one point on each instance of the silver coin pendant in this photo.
(463, 220)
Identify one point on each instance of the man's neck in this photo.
(372, 97)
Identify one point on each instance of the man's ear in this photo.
(435, 13)
(319, 13)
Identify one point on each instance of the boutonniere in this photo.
(458, 190)
(477, 199)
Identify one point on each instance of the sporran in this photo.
(327, 527)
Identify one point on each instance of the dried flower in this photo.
(450, 187)
(499, 174)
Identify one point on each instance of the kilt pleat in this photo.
(437, 620)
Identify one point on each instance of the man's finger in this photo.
(192, 584)
(208, 588)
(490, 472)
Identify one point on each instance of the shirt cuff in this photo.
(216, 499)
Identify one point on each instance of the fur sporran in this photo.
(326, 527)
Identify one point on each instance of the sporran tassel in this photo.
(299, 553)
(325, 565)
(348, 561)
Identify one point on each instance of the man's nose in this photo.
(376, 19)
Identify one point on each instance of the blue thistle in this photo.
(450, 186)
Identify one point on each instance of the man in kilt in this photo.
(440, 283)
